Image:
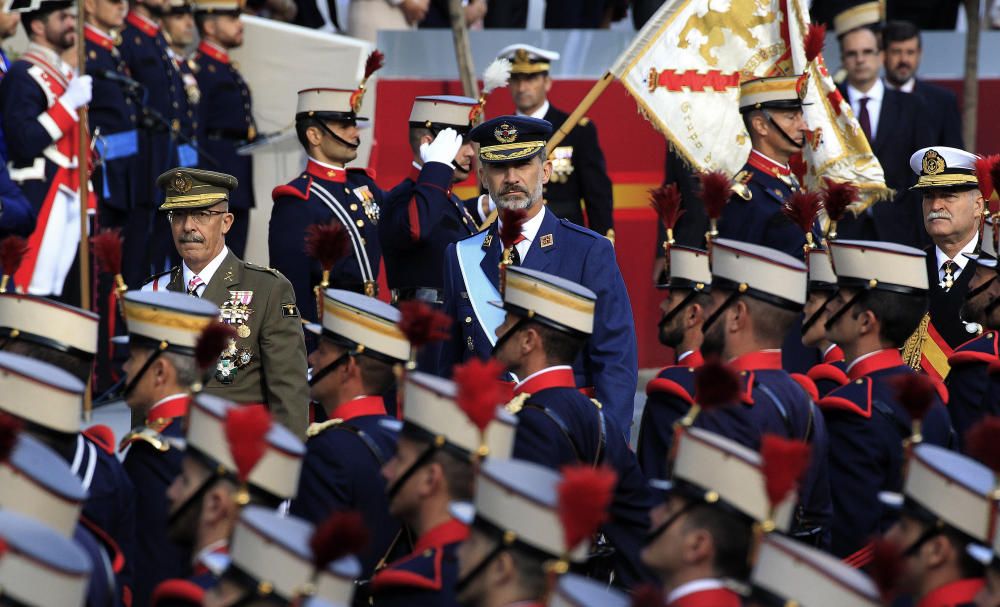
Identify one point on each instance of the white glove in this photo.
(443, 149)
(79, 92)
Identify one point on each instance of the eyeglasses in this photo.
(201, 218)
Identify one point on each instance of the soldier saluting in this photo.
(266, 363)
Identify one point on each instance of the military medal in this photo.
(367, 199)
(243, 331)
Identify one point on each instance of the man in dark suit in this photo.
(903, 52)
(514, 168)
(894, 123)
(578, 167)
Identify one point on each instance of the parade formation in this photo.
(827, 432)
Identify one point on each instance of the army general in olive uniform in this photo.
(266, 363)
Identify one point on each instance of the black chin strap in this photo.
(337, 137)
(975, 292)
(189, 503)
(330, 368)
(417, 464)
(519, 325)
(819, 312)
(718, 311)
(925, 537)
(843, 309)
(655, 533)
(782, 131)
(669, 316)
(464, 582)
(142, 370)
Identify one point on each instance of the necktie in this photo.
(193, 285)
(865, 119)
(515, 257)
(949, 279)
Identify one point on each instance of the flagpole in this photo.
(83, 156)
(578, 113)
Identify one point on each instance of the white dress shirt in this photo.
(875, 95)
(960, 260)
(539, 113)
(529, 230)
(206, 274)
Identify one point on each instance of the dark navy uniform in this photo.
(867, 427)
(830, 374)
(187, 150)
(968, 382)
(569, 251)
(152, 461)
(113, 112)
(427, 576)
(669, 397)
(780, 405)
(147, 56)
(226, 122)
(755, 213)
(317, 196)
(580, 172)
(946, 331)
(342, 471)
(559, 426)
(422, 218)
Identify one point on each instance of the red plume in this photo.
(885, 568)
(716, 384)
(327, 243)
(984, 168)
(915, 391)
(10, 428)
(982, 442)
(585, 493)
(246, 431)
(108, 250)
(374, 63)
(783, 462)
(422, 324)
(12, 252)
(479, 389)
(647, 595)
(798, 166)
(715, 192)
(815, 38)
(837, 197)
(666, 201)
(802, 209)
(510, 225)
(213, 340)
(342, 533)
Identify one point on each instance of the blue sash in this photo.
(118, 145)
(481, 291)
(186, 154)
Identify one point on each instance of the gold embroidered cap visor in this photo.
(866, 14)
(779, 92)
(511, 138)
(944, 167)
(194, 188)
(527, 59)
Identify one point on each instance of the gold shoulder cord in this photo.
(914, 346)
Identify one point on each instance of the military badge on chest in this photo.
(368, 203)
(235, 311)
(562, 164)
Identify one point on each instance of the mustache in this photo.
(512, 190)
(938, 215)
(192, 238)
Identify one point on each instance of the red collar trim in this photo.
(552, 378)
(369, 405)
(694, 360)
(451, 532)
(98, 37)
(207, 49)
(175, 407)
(954, 594)
(833, 355)
(756, 361)
(337, 175)
(716, 597)
(884, 359)
(143, 24)
(200, 568)
(763, 163)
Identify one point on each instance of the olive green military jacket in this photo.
(267, 362)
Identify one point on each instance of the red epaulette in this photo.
(415, 571)
(850, 398)
(102, 436)
(173, 591)
(669, 387)
(746, 396)
(982, 349)
(807, 384)
(828, 372)
(290, 190)
(366, 170)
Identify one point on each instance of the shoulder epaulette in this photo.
(415, 571)
(517, 403)
(102, 436)
(318, 427)
(254, 266)
(177, 591)
(740, 182)
(828, 372)
(370, 172)
(290, 190)
(146, 435)
(746, 396)
(983, 349)
(578, 228)
(670, 387)
(807, 384)
(855, 397)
